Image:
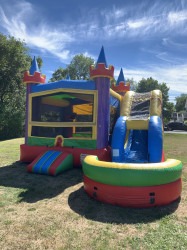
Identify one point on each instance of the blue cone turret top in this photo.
(121, 77)
(33, 76)
(34, 66)
(101, 69)
(121, 87)
(102, 58)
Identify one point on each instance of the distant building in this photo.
(177, 117)
(180, 117)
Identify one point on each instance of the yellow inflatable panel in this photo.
(126, 103)
(156, 103)
(92, 160)
(137, 124)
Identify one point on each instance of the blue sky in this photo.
(147, 38)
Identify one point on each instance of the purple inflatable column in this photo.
(102, 74)
(27, 113)
(103, 116)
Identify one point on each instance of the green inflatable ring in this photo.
(130, 174)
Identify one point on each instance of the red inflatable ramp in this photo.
(51, 162)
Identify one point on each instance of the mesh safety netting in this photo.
(140, 106)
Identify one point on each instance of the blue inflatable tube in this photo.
(118, 139)
(155, 139)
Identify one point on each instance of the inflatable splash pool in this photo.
(135, 185)
(138, 175)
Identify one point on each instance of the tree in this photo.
(168, 111)
(180, 102)
(133, 83)
(39, 61)
(79, 68)
(149, 84)
(59, 74)
(14, 60)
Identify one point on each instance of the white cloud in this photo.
(137, 24)
(136, 21)
(41, 36)
(113, 15)
(18, 21)
(173, 44)
(116, 23)
(87, 54)
(177, 17)
(23, 21)
(175, 77)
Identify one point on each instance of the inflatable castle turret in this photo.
(31, 77)
(102, 74)
(121, 86)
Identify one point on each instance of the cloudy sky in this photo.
(147, 38)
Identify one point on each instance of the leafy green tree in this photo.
(14, 60)
(133, 83)
(39, 61)
(59, 74)
(168, 111)
(180, 102)
(79, 68)
(149, 84)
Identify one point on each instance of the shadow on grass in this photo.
(37, 187)
(34, 187)
(91, 209)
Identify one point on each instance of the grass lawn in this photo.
(44, 212)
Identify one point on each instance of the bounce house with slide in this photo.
(113, 133)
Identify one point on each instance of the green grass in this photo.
(174, 142)
(43, 212)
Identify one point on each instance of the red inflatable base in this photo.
(133, 196)
(29, 153)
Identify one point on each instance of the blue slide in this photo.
(137, 146)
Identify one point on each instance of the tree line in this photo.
(15, 60)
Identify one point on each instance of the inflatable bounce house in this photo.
(115, 134)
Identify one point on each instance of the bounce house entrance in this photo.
(51, 162)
